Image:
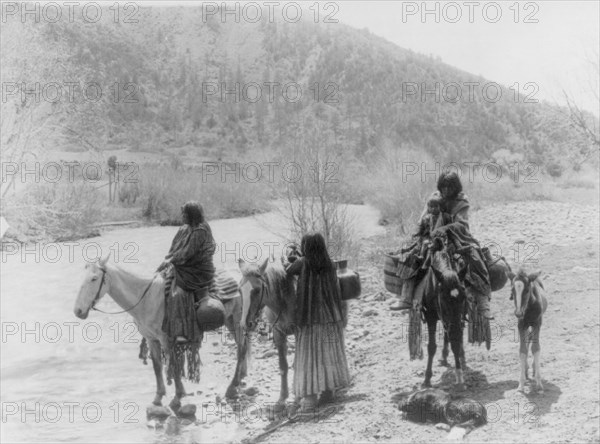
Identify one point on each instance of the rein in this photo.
(97, 297)
(260, 306)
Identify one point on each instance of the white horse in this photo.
(144, 299)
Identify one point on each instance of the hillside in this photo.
(170, 68)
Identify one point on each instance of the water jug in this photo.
(349, 281)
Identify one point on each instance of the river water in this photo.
(69, 380)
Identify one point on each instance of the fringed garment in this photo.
(188, 281)
(225, 288)
(320, 359)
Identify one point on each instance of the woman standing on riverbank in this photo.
(320, 365)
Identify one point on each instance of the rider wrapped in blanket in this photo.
(456, 204)
(190, 274)
(432, 219)
(320, 365)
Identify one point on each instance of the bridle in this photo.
(97, 297)
(264, 288)
(452, 258)
(259, 306)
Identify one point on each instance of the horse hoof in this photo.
(157, 403)
(444, 363)
(175, 405)
(279, 407)
(460, 387)
(426, 385)
(231, 393)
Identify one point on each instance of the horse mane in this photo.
(280, 285)
(141, 281)
(442, 260)
(521, 275)
(535, 285)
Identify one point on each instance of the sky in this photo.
(553, 54)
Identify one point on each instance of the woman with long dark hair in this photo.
(456, 204)
(320, 365)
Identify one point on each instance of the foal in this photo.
(530, 305)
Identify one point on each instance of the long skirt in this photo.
(320, 359)
(180, 314)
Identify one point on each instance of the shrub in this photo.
(554, 169)
(55, 211)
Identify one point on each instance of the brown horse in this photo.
(444, 299)
(144, 300)
(527, 290)
(268, 286)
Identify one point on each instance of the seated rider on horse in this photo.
(454, 202)
(190, 274)
(432, 219)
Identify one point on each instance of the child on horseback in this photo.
(433, 218)
(455, 203)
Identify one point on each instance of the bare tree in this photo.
(583, 121)
(311, 194)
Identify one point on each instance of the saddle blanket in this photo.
(226, 287)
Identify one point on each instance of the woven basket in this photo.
(396, 269)
(391, 280)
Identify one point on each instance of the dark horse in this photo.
(528, 293)
(444, 299)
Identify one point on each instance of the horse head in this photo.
(93, 287)
(252, 287)
(522, 290)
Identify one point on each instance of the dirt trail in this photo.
(563, 239)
